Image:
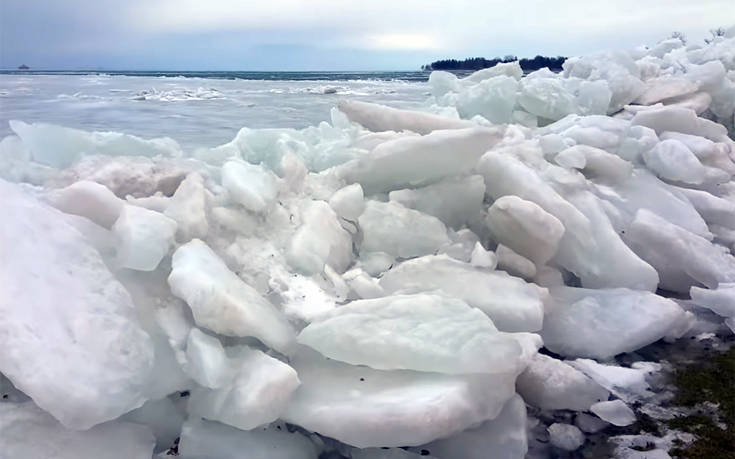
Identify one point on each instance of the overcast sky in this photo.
(331, 34)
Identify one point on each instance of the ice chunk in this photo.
(320, 240)
(482, 258)
(493, 99)
(162, 416)
(188, 206)
(206, 360)
(720, 300)
(589, 424)
(414, 161)
(501, 438)
(595, 163)
(525, 227)
(375, 263)
(679, 119)
(658, 89)
(143, 237)
(681, 258)
(250, 185)
(515, 264)
(65, 322)
(378, 118)
(616, 412)
(362, 285)
(455, 201)
(626, 383)
(442, 83)
(672, 160)
(348, 202)
(547, 98)
(512, 304)
(511, 69)
(602, 323)
(401, 232)
(28, 432)
(88, 199)
(59, 146)
(212, 440)
(551, 384)
(365, 407)
(590, 247)
(713, 209)
(415, 332)
(565, 436)
(257, 395)
(221, 301)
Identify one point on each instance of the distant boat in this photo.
(23, 67)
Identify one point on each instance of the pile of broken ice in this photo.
(385, 280)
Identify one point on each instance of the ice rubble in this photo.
(382, 280)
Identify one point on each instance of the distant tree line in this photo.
(477, 63)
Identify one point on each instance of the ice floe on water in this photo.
(378, 285)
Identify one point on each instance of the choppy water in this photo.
(195, 108)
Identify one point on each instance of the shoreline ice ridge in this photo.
(385, 279)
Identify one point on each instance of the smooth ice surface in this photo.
(221, 301)
(456, 201)
(365, 407)
(551, 384)
(143, 237)
(414, 161)
(250, 185)
(348, 202)
(399, 231)
(672, 160)
(682, 259)
(720, 300)
(61, 309)
(206, 361)
(320, 240)
(212, 440)
(602, 323)
(501, 438)
(26, 431)
(565, 436)
(615, 412)
(511, 303)
(88, 199)
(256, 394)
(589, 248)
(188, 207)
(525, 227)
(377, 118)
(416, 332)
(626, 383)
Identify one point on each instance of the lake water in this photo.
(197, 109)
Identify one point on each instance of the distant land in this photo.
(478, 63)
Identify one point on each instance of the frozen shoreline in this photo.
(382, 280)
